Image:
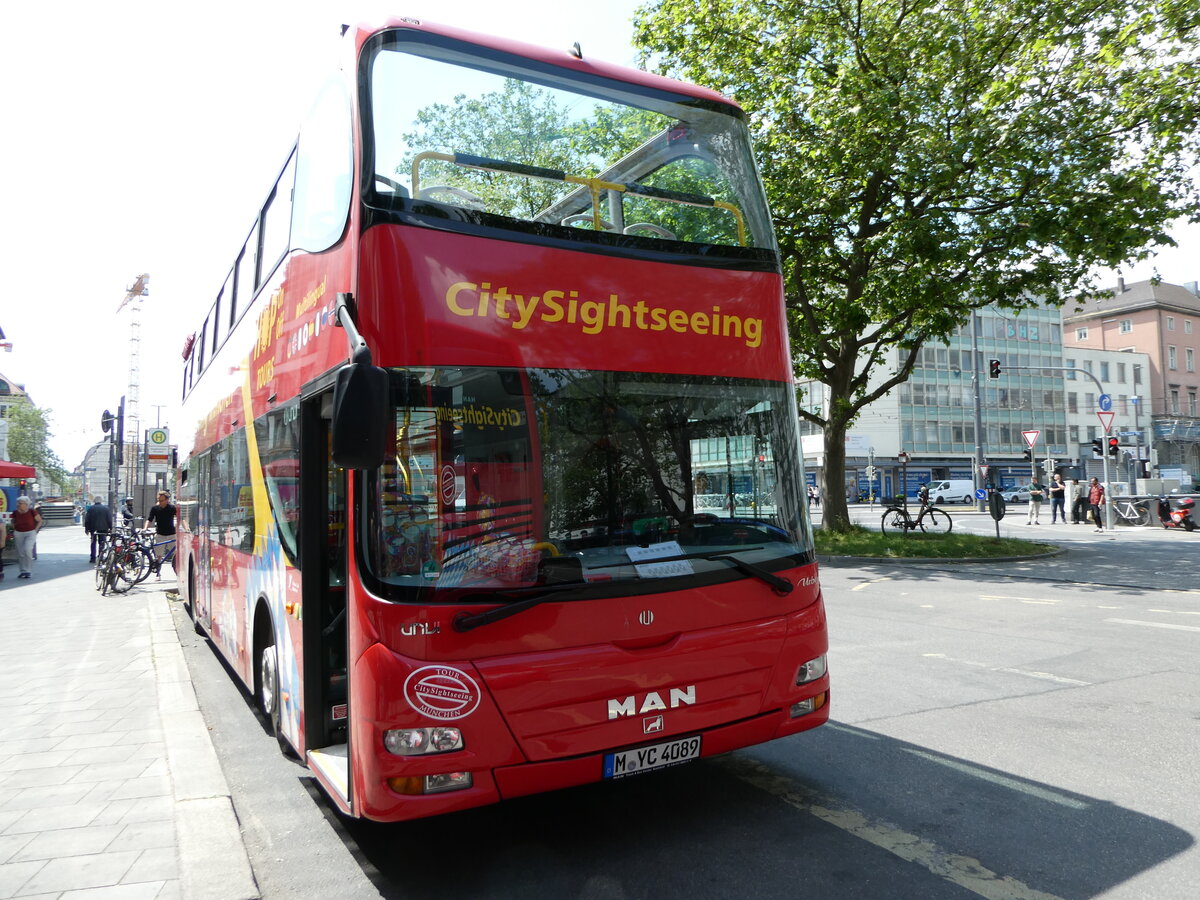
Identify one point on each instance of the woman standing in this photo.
(26, 522)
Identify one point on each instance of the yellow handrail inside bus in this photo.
(594, 187)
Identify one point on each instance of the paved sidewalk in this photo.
(109, 785)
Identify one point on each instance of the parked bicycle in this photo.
(1132, 512)
(931, 520)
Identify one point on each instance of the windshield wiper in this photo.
(781, 586)
(465, 621)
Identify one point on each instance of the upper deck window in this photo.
(469, 135)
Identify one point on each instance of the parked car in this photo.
(952, 491)
(1015, 495)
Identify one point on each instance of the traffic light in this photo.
(993, 368)
(1097, 449)
(1028, 456)
(22, 485)
(1114, 446)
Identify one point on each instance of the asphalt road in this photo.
(1005, 730)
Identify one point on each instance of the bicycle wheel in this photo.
(893, 521)
(146, 564)
(102, 562)
(934, 521)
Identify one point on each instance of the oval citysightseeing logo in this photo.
(441, 693)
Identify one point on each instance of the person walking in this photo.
(97, 522)
(1096, 499)
(162, 515)
(26, 522)
(1037, 493)
(1058, 500)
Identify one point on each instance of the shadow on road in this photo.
(773, 822)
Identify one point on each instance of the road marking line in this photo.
(1110, 607)
(1177, 612)
(866, 584)
(1028, 673)
(963, 871)
(1002, 780)
(1046, 676)
(857, 732)
(1022, 599)
(1154, 624)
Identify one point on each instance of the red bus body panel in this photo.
(539, 688)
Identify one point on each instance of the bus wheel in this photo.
(191, 602)
(268, 693)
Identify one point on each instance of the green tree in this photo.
(29, 442)
(924, 158)
(520, 123)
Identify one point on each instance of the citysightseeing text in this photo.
(467, 299)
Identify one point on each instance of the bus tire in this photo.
(266, 681)
(191, 601)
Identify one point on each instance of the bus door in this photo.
(322, 560)
(201, 587)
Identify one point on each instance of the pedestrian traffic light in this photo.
(1114, 446)
(1028, 456)
(993, 368)
(1097, 449)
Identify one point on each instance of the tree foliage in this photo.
(927, 157)
(29, 442)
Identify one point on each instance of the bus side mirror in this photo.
(360, 417)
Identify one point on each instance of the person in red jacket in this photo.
(26, 522)
(1096, 499)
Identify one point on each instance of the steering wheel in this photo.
(586, 219)
(461, 198)
(653, 229)
(401, 190)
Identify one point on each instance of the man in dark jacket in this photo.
(97, 522)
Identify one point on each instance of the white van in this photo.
(955, 490)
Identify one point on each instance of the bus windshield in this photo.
(508, 479)
(499, 141)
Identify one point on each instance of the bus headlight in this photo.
(421, 741)
(804, 707)
(811, 670)
(430, 784)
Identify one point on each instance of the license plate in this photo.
(656, 756)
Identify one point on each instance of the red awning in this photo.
(16, 470)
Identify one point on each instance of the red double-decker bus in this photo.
(496, 484)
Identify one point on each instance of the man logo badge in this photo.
(646, 617)
(652, 724)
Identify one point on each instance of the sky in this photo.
(141, 137)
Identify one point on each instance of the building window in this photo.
(1172, 361)
(1192, 403)
(1121, 372)
(1187, 326)
(1175, 401)
(1126, 326)
(1072, 402)
(1170, 323)
(1074, 432)
(1081, 334)
(1071, 364)
(1189, 357)
(1104, 373)
(1137, 374)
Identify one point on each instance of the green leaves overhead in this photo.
(925, 158)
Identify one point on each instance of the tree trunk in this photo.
(836, 517)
